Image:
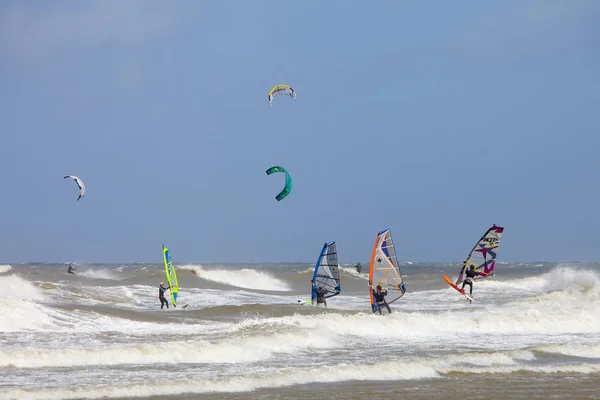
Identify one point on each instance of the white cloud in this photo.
(95, 22)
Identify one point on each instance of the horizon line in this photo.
(283, 262)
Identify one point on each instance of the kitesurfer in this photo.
(318, 294)
(71, 269)
(161, 295)
(469, 275)
(379, 296)
(358, 267)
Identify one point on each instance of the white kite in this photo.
(278, 90)
(79, 183)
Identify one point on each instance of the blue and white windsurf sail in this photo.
(327, 271)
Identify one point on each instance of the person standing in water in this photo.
(358, 267)
(379, 297)
(161, 295)
(318, 295)
(71, 269)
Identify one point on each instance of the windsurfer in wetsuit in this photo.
(358, 267)
(469, 275)
(161, 295)
(379, 296)
(71, 269)
(318, 294)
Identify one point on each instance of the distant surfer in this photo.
(379, 296)
(469, 275)
(358, 267)
(161, 295)
(318, 294)
(71, 269)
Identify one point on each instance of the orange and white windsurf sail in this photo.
(383, 269)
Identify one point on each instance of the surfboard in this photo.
(459, 290)
(184, 307)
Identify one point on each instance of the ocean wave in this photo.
(5, 268)
(340, 372)
(575, 350)
(244, 278)
(229, 350)
(18, 310)
(352, 271)
(559, 278)
(548, 316)
(98, 274)
(273, 379)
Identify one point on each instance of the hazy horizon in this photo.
(343, 262)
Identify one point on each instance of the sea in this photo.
(533, 332)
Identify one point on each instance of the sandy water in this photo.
(533, 332)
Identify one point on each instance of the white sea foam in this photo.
(202, 298)
(560, 278)
(556, 313)
(543, 369)
(16, 288)
(576, 350)
(280, 378)
(18, 311)
(572, 310)
(244, 278)
(470, 360)
(18, 316)
(430, 334)
(99, 273)
(5, 268)
(352, 271)
(121, 296)
(229, 350)
(24, 307)
(386, 370)
(147, 297)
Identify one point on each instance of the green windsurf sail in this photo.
(171, 276)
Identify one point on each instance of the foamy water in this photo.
(243, 278)
(99, 273)
(101, 333)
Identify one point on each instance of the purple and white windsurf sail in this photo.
(483, 255)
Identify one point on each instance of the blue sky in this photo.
(435, 119)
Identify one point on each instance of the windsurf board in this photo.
(459, 290)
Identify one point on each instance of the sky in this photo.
(435, 119)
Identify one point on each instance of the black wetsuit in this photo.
(358, 268)
(70, 270)
(469, 275)
(161, 296)
(319, 294)
(380, 301)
